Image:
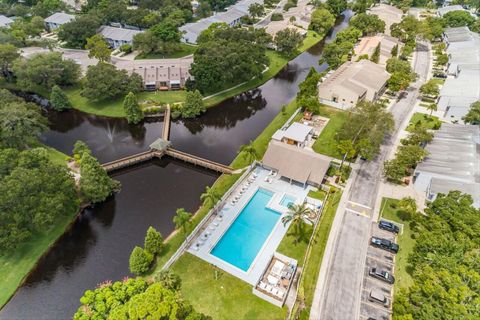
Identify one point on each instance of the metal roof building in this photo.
(453, 162)
(296, 164)
(458, 93)
(58, 19)
(118, 36)
(444, 10)
(389, 14)
(353, 82)
(5, 21)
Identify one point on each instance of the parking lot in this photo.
(383, 260)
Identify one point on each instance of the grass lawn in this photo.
(14, 267)
(320, 194)
(314, 260)
(293, 248)
(425, 120)
(114, 108)
(277, 62)
(326, 143)
(185, 50)
(219, 294)
(389, 211)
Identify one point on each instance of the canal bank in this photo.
(216, 135)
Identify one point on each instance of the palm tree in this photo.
(182, 219)
(408, 204)
(432, 107)
(296, 214)
(249, 151)
(209, 196)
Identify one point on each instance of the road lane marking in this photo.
(359, 204)
(363, 213)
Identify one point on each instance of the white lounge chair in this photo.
(266, 179)
(263, 285)
(216, 224)
(211, 228)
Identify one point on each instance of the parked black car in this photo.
(388, 226)
(382, 275)
(384, 244)
(440, 75)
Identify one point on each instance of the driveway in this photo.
(340, 283)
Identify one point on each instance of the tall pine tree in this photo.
(132, 109)
(95, 184)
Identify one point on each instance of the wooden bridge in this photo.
(166, 123)
(129, 161)
(212, 165)
(162, 147)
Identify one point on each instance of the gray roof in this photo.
(445, 186)
(457, 34)
(297, 131)
(5, 21)
(461, 90)
(160, 144)
(118, 34)
(296, 163)
(60, 18)
(454, 154)
(444, 10)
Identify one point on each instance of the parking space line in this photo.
(363, 213)
(377, 307)
(380, 260)
(359, 204)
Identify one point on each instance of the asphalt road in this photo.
(342, 289)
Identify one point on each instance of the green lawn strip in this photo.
(277, 62)
(219, 294)
(185, 50)
(54, 155)
(224, 182)
(390, 212)
(326, 143)
(314, 260)
(320, 194)
(425, 120)
(15, 267)
(292, 248)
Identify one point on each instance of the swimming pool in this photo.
(287, 200)
(246, 235)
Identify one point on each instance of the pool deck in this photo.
(214, 233)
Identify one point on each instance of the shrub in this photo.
(127, 48)
(169, 280)
(140, 261)
(153, 241)
(59, 100)
(276, 17)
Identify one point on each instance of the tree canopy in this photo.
(132, 110)
(76, 32)
(46, 70)
(34, 192)
(59, 100)
(367, 23)
(104, 81)
(193, 105)
(227, 56)
(98, 48)
(443, 262)
(366, 126)
(288, 41)
(458, 18)
(321, 21)
(473, 115)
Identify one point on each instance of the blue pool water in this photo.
(287, 200)
(245, 237)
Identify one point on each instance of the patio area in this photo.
(283, 193)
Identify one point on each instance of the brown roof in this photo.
(296, 163)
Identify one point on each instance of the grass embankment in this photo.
(424, 120)
(403, 279)
(219, 294)
(308, 283)
(15, 267)
(114, 108)
(326, 144)
(319, 195)
(185, 50)
(277, 62)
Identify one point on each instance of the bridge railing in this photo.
(199, 228)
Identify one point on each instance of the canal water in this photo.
(98, 245)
